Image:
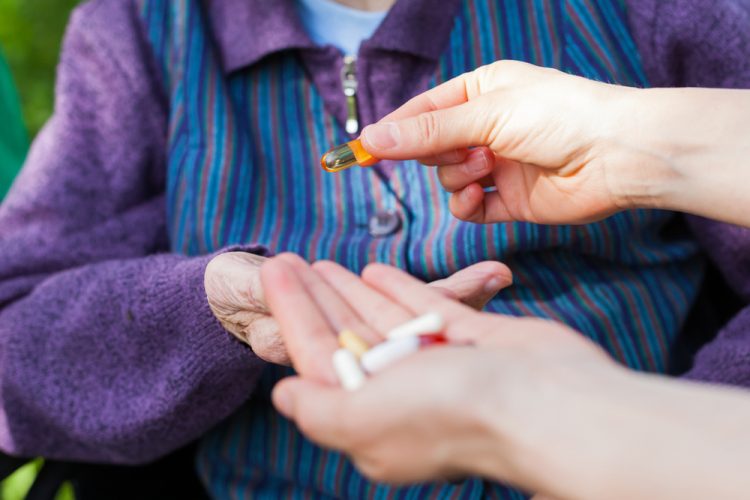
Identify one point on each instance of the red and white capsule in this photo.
(390, 351)
(427, 323)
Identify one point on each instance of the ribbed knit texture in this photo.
(242, 167)
(107, 348)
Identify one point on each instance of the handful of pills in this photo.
(356, 358)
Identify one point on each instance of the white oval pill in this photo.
(388, 352)
(427, 323)
(347, 370)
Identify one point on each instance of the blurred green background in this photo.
(30, 35)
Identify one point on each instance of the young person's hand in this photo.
(443, 411)
(537, 135)
(236, 297)
(531, 402)
(554, 148)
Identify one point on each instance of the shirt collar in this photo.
(249, 30)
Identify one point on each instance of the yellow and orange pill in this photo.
(346, 156)
(353, 342)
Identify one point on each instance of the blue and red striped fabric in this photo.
(243, 168)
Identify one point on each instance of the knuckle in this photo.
(214, 270)
(429, 127)
(268, 348)
(474, 217)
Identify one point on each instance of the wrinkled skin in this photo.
(236, 296)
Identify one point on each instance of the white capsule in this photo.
(347, 370)
(388, 352)
(427, 323)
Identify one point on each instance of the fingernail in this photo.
(493, 285)
(465, 195)
(382, 135)
(476, 163)
(282, 400)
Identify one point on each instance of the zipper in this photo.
(349, 84)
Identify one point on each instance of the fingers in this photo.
(471, 85)
(431, 133)
(411, 293)
(335, 309)
(307, 333)
(315, 408)
(266, 341)
(447, 158)
(474, 204)
(234, 292)
(470, 110)
(477, 284)
(376, 309)
(478, 165)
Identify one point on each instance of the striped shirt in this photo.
(249, 122)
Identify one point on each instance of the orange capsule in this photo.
(347, 155)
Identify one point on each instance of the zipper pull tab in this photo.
(349, 83)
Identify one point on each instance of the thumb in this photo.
(477, 284)
(317, 409)
(430, 133)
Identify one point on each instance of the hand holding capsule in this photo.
(554, 148)
(535, 132)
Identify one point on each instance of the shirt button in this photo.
(384, 223)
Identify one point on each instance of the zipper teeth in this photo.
(349, 84)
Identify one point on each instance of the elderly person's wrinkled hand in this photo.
(236, 296)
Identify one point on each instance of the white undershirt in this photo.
(330, 23)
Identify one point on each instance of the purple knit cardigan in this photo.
(108, 349)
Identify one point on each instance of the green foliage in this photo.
(18, 484)
(30, 35)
